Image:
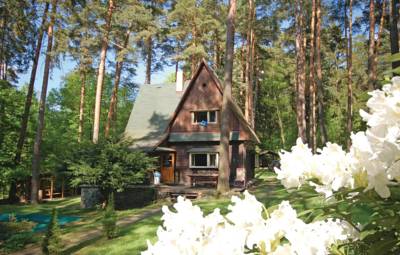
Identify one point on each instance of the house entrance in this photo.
(167, 168)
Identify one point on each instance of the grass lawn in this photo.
(132, 239)
(90, 218)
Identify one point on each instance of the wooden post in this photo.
(51, 187)
(62, 187)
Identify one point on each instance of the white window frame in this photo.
(208, 159)
(208, 117)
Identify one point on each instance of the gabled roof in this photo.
(151, 114)
(233, 106)
(157, 106)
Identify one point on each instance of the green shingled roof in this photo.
(151, 114)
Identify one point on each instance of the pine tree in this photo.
(394, 31)
(224, 166)
(371, 48)
(35, 182)
(300, 72)
(313, 85)
(52, 243)
(350, 74)
(101, 71)
(320, 95)
(124, 49)
(190, 24)
(28, 102)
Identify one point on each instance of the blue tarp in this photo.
(41, 220)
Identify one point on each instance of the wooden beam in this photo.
(62, 187)
(51, 187)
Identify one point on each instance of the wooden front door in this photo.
(167, 168)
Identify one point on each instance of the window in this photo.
(204, 117)
(204, 160)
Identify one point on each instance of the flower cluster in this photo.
(373, 161)
(244, 231)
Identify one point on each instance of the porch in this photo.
(173, 191)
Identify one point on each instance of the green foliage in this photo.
(11, 110)
(11, 228)
(110, 164)
(377, 220)
(51, 243)
(110, 219)
(15, 235)
(18, 241)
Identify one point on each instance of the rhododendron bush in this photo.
(362, 185)
(373, 162)
(246, 229)
(360, 210)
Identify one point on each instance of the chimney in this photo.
(179, 81)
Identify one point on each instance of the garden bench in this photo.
(203, 178)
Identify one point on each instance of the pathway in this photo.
(77, 239)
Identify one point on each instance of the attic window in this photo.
(204, 117)
(204, 85)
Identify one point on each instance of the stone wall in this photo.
(135, 197)
(90, 196)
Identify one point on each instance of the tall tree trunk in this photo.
(394, 32)
(114, 96)
(313, 89)
(371, 48)
(349, 74)
(216, 50)
(378, 42)
(249, 64)
(224, 166)
(280, 123)
(320, 92)
(300, 73)
(149, 59)
(28, 102)
(101, 72)
(35, 184)
(82, 105)
(256, 87)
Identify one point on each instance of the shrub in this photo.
(52, 241)
(110, 219)
(111, 165)
(9, 229)
(18, 241)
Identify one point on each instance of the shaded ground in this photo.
(139, 225)
(132, 239)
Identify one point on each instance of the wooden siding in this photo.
(238, 167)
(203, 95)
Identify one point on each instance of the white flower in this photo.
(243, 229)
(373, 159)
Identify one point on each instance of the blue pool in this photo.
(41, 220)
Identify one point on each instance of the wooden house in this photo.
(180, 124)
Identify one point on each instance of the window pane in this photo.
(199, 159)
(212, 116)
(200, 116)
(213, 159)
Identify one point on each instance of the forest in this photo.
(298, 68)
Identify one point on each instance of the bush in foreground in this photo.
(52, 241)
(110, 219)
(247, 229)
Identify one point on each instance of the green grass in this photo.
(90, 218)
(132, 239)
